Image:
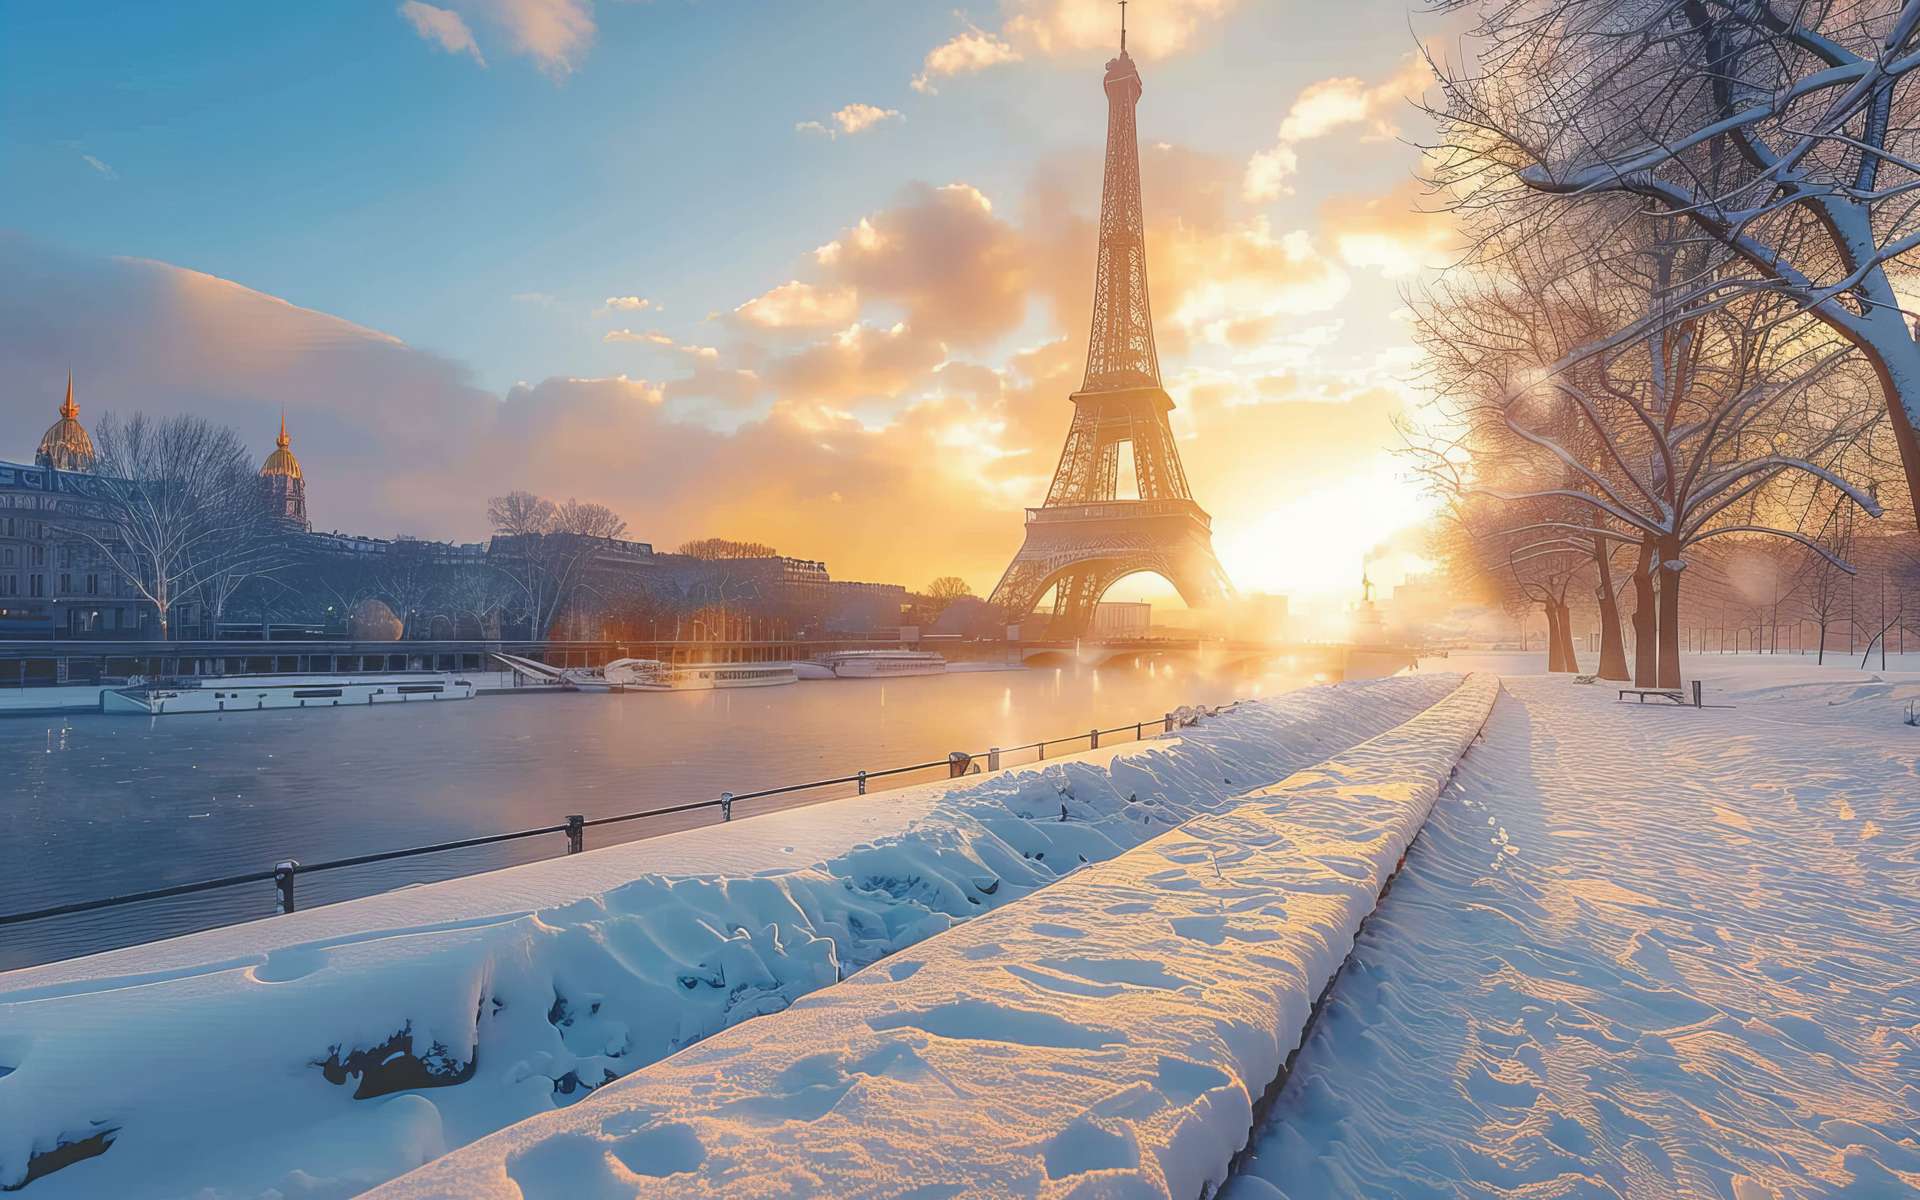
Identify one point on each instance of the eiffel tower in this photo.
(1084, 538)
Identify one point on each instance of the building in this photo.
(1121, 619)
(56, 580)
(59, 577)
(282, 487)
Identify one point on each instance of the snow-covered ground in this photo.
(1638, 952)
(1108, 1037)
(318, 1053)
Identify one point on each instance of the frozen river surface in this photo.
(94, 805)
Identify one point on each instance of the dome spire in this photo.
(66, 446)
(282, 485)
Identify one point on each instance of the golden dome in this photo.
(281, 462)
(66, 445)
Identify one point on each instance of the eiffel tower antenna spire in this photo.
(1123, 26)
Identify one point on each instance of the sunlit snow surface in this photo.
(518, 992)
(1638, 952)
(1105, 1037)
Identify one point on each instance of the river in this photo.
(94, 806)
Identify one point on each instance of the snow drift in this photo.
(319, 1053)
(1107, 1037)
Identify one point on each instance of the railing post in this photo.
(1136, 730)
(1093, 739)
(862, 777)
(993, 758)
(957, 763)
(726, 806)
(283, 879)
(576, 833)
(1169, 723)
(1042, 748)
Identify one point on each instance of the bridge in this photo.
(1337, 660)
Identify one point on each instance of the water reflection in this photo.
(96, 805)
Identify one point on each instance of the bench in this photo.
(1673, 694)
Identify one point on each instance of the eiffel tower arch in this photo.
(1084, 538)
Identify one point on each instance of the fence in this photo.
(283, 873)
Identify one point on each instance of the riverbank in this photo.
(101, 805)
(232, 1059)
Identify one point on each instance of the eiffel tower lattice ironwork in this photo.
(1085, 538)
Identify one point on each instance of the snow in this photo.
(1106, 1037)
(1637, 951)
(227, 1063)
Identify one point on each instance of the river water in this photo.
(94, 806)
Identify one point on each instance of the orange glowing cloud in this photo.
(1329, 105)
(797, 305)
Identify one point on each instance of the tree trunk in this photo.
(1613, 650)
(1569, 660)
(1669, 619)
(1644, 625)
(1555, 662)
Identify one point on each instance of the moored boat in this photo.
(652, 675)
(880, 664)
(253, 693)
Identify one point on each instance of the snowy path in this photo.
(322, 1052)
(1637, 952)
(1107, 1037)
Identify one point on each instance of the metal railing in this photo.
(958, 763)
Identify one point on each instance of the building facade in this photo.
(55, 579)
(59, 578)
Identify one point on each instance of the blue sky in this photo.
(334, 157)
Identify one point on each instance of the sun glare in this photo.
(1313, 545)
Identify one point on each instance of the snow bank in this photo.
(319, 1053)
(1104, 1038)
(1636, 952)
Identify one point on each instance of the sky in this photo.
(815, 273)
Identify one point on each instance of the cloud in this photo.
(555, 34)
(854, 118)
(1236, 283)
(1395, 234)
(628, 304)
(797, 305)
(652, 337)
(860, 363)
(444, 27)
(964, 54)
(1053, 28)
(1326, 106)
(104, 170)
(942, 255)
(1156, 30)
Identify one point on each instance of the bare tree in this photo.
(545, 547)
(1725, 420)
(1784, 134)
(172, 516)
(254, 547)
(714, 548)
(477, 592)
